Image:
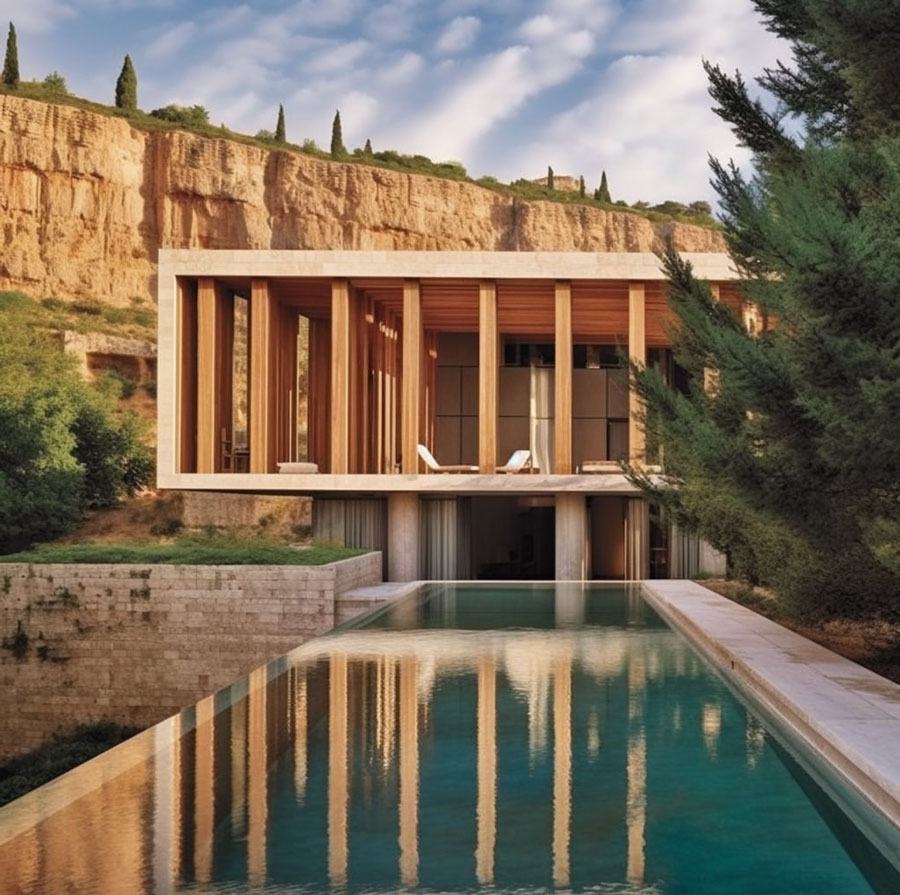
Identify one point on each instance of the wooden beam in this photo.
(340, 376)
(637, 354)
(562, 429)
(412, 377)
(488, 377)
(262, 377)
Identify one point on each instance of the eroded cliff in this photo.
(86, 200)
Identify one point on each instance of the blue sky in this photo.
(505, 86)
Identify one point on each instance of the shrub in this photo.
(55, 83)
(190, 116)
(63, 446)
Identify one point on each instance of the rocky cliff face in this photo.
(86, 201)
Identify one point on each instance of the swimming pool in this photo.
(497, 738)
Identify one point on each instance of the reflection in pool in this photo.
(505, 739)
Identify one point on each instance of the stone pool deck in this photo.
(848, 714)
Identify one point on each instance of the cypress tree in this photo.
(603, 190)
(126, 87)
(581, 186)
(368, 147)
(791, 464)
(279, 127)
(550, 183)
(338, 150)
(11, 60)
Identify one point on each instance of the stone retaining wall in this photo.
(136, 643)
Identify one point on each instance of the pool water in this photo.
(468, 738)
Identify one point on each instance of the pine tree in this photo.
(279, 127)
(11, 61)
(602, 194)
(126, 87)
(367, 150)
(338, 150)
(792, 463)
(550, 183)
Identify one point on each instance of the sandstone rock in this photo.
(86, 200)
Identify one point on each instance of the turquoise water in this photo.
(471, 738)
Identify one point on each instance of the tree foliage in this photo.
(791, 460)
(64, 447)
(55, 83)
(126, 86)
(602, 193)
(551, 184)
(191, 116)
(280, 135)
(10, 75)
(338, 150)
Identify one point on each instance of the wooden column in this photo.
(187, 376)
(215, 338)
(412, 377)
(340, 376)
(562, 427)
(637, 353)
(262, 378)
(488, 378)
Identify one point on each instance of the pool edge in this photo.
(855, 738)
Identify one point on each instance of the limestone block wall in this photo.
(137, 643)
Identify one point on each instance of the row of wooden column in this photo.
(206, 377)
(415, 402)
(380, 398)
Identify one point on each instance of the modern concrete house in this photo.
(326, 373)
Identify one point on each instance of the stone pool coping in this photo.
(849, 715)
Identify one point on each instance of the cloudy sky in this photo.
(505, 86)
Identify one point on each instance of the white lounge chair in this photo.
(520, 461)
(434, 466)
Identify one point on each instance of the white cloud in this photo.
(339, 57)
(403, 70)
(34, 16)
(458, 35)
(171, 40)
(538, 27)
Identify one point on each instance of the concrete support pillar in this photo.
(637, 354)
(413, 338)
(571, 537)
(340, 376)
(403, 536)
(637, 539)
(488, 378)
(562, 428)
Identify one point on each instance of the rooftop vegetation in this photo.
(192, 548)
